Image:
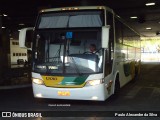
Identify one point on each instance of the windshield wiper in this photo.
(76, 67)
(56, 56)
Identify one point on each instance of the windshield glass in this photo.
(74, 51)
(70, 19)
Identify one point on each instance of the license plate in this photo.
(63, 93)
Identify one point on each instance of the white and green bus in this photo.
(63, 66)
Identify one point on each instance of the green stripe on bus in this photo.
(74, 80)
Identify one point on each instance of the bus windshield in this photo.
(67, 51)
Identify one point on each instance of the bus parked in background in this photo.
(17, 54)
(63, 66)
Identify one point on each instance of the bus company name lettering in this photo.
(51, 78)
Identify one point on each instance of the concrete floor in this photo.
(141, 95)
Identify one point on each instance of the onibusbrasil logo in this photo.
(21, 114)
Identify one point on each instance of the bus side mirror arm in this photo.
(23, 36)
(105, 36)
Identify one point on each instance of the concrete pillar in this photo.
(4, 51)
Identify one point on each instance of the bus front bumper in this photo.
(96, 92)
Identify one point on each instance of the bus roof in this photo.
(77, 8)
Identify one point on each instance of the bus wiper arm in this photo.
(76, 67)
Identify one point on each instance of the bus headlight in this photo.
(93, 82)
(37, 81)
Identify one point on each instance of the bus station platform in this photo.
(15, 77)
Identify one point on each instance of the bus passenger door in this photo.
(110, 51)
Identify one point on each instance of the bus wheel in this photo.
(133, 70)
(137, 72)
(117, 86)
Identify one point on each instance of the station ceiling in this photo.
(18, 14)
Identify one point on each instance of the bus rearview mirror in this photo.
(25, 38)
(105, 36)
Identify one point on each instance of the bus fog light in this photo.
(37, 81)
(39, 95)
(93, 82)
(94, 98)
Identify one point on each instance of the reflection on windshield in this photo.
(53, 46)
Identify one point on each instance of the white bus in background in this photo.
(17, 53)
(64, 68)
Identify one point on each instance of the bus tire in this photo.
(117, 86)
(137, 71)
(133, 70)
